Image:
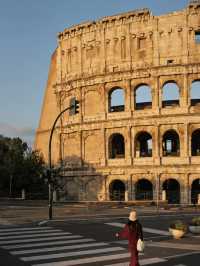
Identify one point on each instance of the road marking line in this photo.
(24, 229)
(85, 260)
(180, 265)
(142, 262)
(145, 229)
(29, 232)
(40, 250)
(174, 245)
(34, 235)
(52, 243)
(71, 254)
(116, 224)
(156, 231)
(37, 239)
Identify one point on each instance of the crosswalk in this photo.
(47, 246)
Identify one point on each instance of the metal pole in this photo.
(50, 181)
(158, 192)
(10, 187)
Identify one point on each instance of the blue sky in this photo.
(28, 31)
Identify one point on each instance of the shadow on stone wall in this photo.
(78, 180)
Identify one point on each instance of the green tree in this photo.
(20, 167)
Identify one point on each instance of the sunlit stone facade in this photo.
(146, 144)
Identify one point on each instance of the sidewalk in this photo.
(20, 214)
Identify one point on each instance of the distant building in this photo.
(146, 143)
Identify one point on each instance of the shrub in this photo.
(179, 225)
(195, 221)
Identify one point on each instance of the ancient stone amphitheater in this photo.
(137, 133)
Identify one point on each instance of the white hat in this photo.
(133, 216)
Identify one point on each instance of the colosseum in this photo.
(136, 136)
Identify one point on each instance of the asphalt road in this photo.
(92, 242)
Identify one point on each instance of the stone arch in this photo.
(143, 144)
(116, 100)
(195, 143)
(143, 97)
(172, 188)
(171, 143)
(195, 93)
(116, 146)
(170, 94)
(117, 190)
(143, 189)
(195, 190)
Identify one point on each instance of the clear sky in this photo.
(28, 37)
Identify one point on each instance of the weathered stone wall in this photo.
(126, 50)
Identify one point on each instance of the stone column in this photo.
(132, 143)
(106, 192)
(156, 95)
(127, 190)
(104, 147)
(189, 189)
(105, 100)
(184, 190)
(81, 147)
(128, 151)
(128, 96)
(156, 145)
(157, 190)
(185, 148)
(133, 188)
(184, 96)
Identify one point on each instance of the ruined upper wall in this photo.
(129, 41)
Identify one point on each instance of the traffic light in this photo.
(74, 106)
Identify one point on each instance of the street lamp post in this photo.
(74, 109)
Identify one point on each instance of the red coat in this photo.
(132, 237)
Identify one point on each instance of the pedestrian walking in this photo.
(132, 231)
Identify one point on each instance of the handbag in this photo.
(140, 245)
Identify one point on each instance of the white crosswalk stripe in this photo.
(34, 235)
(85, 260)
(41, 250)
(54, 247)
(24, 229)
(71, 254)
(35, 239)
(52, 243)
(28, 232)
(180, 265)
(142, 262)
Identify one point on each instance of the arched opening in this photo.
(143, 190)
(116, 146)
(117, 190)
(172, 188)
(116, 100)
(195, 143)
(195, 191)
(170, 94)
(143, 145)
(195, 93)
(171, 144)
(143, 98)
